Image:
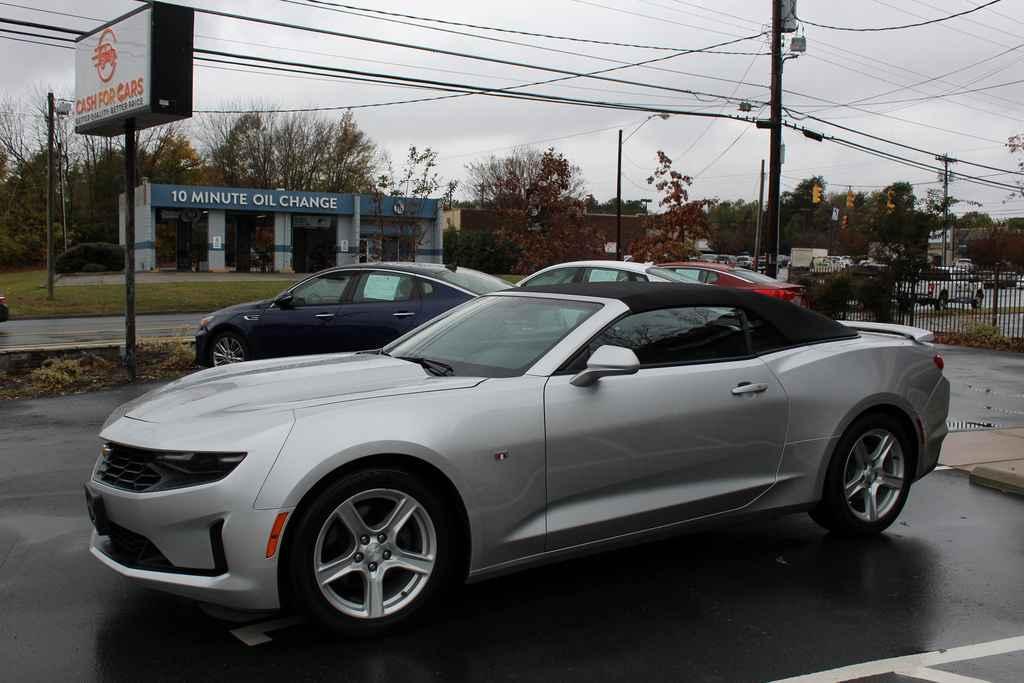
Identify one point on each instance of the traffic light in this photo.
(890, 204)
(816, 194)
(849, 199)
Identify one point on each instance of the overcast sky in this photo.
(722, 155)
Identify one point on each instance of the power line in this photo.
(45, 27)
(447, 22)
(572, 74)
(36, 35)
(904, 145)
(948, 94)
(903, 26)
(51, 11)
(445, 86)
(36, 42)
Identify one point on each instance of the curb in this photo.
(30, 357)
(1007, 481)
(60, 316)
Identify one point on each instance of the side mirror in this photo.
(284, 300)
(607, 361)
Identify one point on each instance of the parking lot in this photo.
(759, 601)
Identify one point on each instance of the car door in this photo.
(302, 327)
(384, 305)
(697, 431)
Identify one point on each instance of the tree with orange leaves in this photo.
(671, 234)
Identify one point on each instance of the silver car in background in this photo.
(523, 427)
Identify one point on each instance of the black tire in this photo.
(833, 512)
(305, 590)
(232, 336)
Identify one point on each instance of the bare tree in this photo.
(297, 150)
(506, 183)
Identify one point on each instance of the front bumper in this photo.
(202, 352)
(198, 546)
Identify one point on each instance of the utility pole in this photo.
(760, 212)
(129, 246)
(946, 237)
(775, 153)
(50, 115)
(618, 203)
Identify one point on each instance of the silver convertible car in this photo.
(522, 427)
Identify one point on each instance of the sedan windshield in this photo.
(497, 336)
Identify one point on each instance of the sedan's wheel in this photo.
(227, 348)
(868, 478)
(373, 551)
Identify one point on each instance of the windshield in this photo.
(497, 336)
(753, 276)
(473, 280)
(670, 275)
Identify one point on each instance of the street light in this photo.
(618, 183)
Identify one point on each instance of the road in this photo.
(755, 602)
(60, 331)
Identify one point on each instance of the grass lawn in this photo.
(26, 296)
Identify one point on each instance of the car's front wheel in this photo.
(374, 551)
(868, 478)
(227, 348)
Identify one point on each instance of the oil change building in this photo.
(200, 228)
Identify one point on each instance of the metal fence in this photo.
(944, 300)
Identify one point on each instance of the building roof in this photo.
(798, 324)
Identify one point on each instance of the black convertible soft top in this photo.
(798, 324)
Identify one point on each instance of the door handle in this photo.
(324, 316)
(748, 388)
(403, 314)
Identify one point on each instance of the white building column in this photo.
(348, 241)
(283, 243)
(145, 227)
(431, 250)
(216, 240)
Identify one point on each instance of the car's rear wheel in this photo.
(228, 348)
(868, 478)
(374, 551)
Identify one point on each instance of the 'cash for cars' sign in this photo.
(136, 66)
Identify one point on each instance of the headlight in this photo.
(140, 470)
(205, 321)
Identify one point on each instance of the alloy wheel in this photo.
(873, 476)
(375, 553)
(228, 349)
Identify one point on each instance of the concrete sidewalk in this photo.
(994, 458)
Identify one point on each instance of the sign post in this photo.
(132, 73)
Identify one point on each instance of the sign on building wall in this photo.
(136, 66)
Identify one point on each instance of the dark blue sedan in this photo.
(350, 308)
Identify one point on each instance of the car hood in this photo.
(242, 308)
(287, 384)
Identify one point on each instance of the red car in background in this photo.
(724, 275)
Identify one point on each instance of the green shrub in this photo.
(875, 295)
(481, 250)
(833, 296)
(109, 257)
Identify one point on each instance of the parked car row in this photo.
(366, 306)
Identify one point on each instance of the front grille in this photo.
(127, 468)
(135, 549)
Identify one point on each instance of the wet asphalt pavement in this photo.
(46, 332)
(758, 601)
